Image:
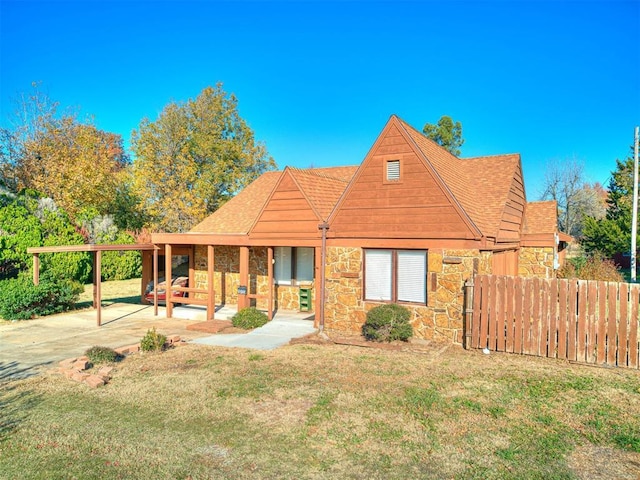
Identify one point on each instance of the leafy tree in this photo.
(446, 133)
(74, 163)
(564, 182)
(19, 229)
(612, 234)
(126, 207)
(193, 158)
(27, 221)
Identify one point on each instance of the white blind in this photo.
(412, 276)
(377, 284)
(393, 170)
(304, 264)
(282, 270)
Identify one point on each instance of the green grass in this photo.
(321, 411)
(115, 291)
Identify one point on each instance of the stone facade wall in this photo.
(226, 277)
(441, 319)
(536, 262)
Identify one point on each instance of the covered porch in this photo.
(232, 272)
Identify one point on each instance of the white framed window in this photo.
(293, 265)
(378, 277)
(395, 275)
(282, 267)
(412, 276)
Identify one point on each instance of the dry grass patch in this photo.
(114, 291)
(326, 411)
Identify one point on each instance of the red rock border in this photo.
(76, 368)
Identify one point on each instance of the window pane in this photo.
(377, 280)
(412, 266)
(304, 264)
(282, 270)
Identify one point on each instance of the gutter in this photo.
(324, 227)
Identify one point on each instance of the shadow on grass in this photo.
(106, 302)
(15, 403)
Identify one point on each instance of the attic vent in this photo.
(393, 170)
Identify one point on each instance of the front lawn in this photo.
(113, 291)
(326, 411)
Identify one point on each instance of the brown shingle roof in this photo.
(323, 186)
(480, 185)
(239, 214)
(541, 217)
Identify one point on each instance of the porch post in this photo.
(155, 281)
(211, 294)
(192, 270)
(244, 277)
(97, 299)
(270, 281)
(96, 278)
(36, 268)
(168, 295)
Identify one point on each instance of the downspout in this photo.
(324, 227)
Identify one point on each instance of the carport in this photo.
(96, 254)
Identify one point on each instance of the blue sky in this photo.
(318, 80)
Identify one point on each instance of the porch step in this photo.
(211, 326)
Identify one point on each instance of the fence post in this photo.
(468, 311)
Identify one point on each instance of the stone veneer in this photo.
(536, 262)
(442, 317)
(226, 277)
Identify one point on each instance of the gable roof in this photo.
(481, 185)
(488, 192)
(541, 217)
(320, 186)
(239, 214)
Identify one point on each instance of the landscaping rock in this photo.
(68, 363)
(94, 381)
(68, 372)
(80, 364)
(79, 376)
(105, 371)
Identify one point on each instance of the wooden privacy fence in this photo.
(579, 320)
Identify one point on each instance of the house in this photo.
(409, 225)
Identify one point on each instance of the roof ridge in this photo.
(316, 173)
(514, 154)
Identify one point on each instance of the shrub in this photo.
(153, 341)
(99, 354)
(20, 299)
(57, 230)
(386, 323)
(121, 265)
(594, 267)
(249, 318)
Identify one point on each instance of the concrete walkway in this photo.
(28, 346)
(279, 331)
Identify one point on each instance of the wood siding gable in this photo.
(418, 205)
(512, 221)
(287, 213)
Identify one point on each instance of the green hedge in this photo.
(388, 322)
(121, 265)
(249, 318)
(20, 299)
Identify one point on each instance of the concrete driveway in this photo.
(26, 347)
